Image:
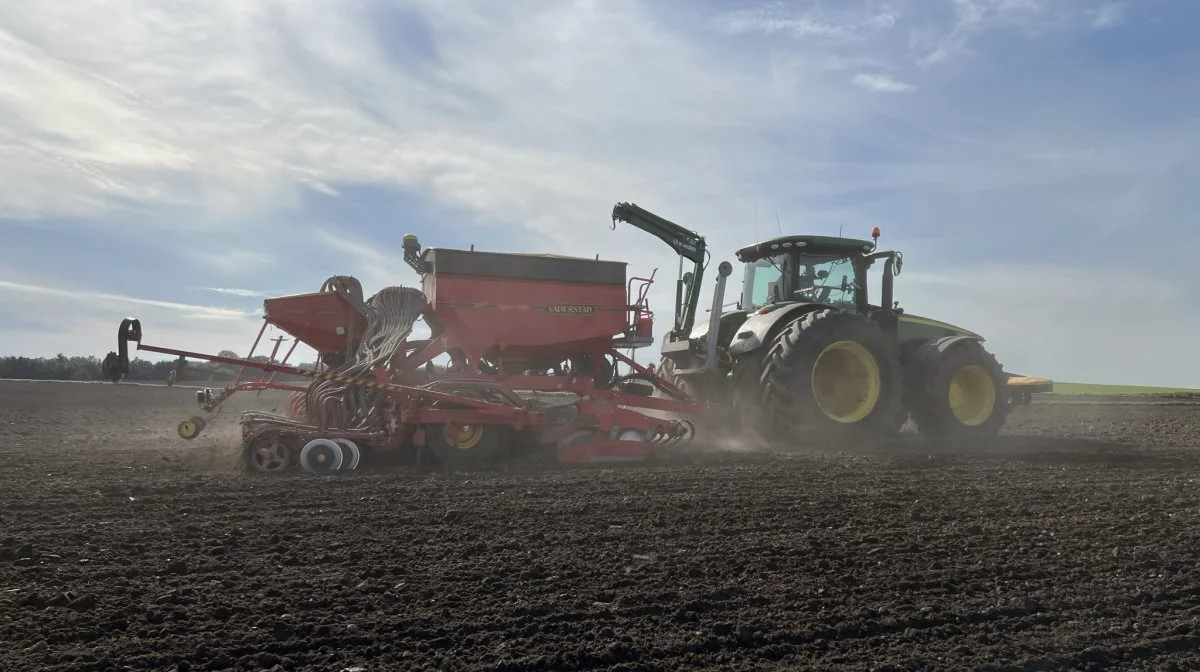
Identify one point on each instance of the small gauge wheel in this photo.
(191, 428)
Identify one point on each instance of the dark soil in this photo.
(1072, 545)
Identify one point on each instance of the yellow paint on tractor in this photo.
(905, 318)
(846, 382)
(1031, 381)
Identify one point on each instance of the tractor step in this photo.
(700, 371)
(672, 347)
(627, 342)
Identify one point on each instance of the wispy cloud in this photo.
(1060, 154)
(83, 296)
(47, 320)
(937, 44)
(1110, 15)
(882, 83)
(232, 291)
(234, 262)
(296, 95)
(787, 19)
(375, 266)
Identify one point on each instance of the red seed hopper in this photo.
(519, 312)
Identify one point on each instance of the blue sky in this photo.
(1034, 159)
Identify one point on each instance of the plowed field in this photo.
(1074, 545)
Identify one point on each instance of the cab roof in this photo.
(822, 245)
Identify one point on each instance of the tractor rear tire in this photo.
(832, 377)
(956, 395)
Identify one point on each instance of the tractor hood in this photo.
(911, 327)
(730, 321)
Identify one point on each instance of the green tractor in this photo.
(806, 355)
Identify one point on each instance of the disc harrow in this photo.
(676, 433)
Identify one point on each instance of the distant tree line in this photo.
(88, 368)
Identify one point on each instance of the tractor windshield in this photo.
(762, 282)
(826, 279)
(799, 277)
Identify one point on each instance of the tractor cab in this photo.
(833, 272)
(815, 269)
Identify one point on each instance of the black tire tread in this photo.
(926, 390)
(792, 415)
(666, 369)
(486, 450)
(746, 393)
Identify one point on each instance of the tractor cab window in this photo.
(826, 280)
(763, 283)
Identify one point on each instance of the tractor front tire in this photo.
(666, 370)
(832, 378)
(746, 393)
(956, 395)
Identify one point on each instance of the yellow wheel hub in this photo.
(972, 395)
(190, 428)
(469, 436)
(846, 382)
